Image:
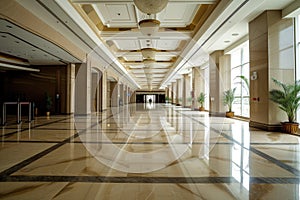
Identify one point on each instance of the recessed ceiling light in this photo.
(17, 42)
(33, 49)
(227, 41)
(4, 36)
(234, 34)
(8, 26)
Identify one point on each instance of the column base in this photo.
(217, 114)
(265, 127)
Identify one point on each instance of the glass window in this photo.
(240, 79)
(297, 28)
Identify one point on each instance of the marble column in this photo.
(186, 90)
(133, 97)
(170, 92)
(126, 92)
(83, 89)
(121, 94)
(174, 88)
(104, 96)
(196, 84)
(271, 45)
(178, 92)
(114, 92)
(220, 81)
(94, 91)
(70, 104)
(166, 92)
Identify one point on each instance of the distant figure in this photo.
(150, 100)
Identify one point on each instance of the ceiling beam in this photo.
(133, 35)
(136, 53)
(17, 67)
(131, 1)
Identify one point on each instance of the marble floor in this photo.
(146, 151)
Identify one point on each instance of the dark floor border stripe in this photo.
(4, 174)
(30, 141)
(259, 153)
(57, 129)
(277, 162)
(274, 180)
(155, 180)
(95, 142)
(269, 143)
(164, 143)
(26, 162)
(104, 179)
(25, 129)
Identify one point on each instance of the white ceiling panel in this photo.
(169, 45)
(116, 14)
(128, 45)
(177, 15)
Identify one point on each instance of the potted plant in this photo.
(288, 100)
(167, 99)
(201, 100)
(189, 99)
(178, 103)
(228, 100)
(48, 103)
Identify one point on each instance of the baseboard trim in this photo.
(265, 127)
(217, 114)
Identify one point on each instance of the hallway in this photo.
(139, 151)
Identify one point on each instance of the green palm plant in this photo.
(201, 99)
(229, 98)
(244, 83)
(288, 98)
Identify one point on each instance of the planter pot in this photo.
(288, 127)
(230, 114)
(48, 113)
(201, 108)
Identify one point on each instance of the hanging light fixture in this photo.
(148, 63)
(148, 53)
(149, 26)
(150, 6)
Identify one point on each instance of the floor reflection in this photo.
(140, 151)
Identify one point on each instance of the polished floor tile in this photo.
(140, 152)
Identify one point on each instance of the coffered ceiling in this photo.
(117, 24)
(189, 31)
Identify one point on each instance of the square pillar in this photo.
(83, 89)
(220, 81)
(70, 104)
(271, 45)
(104, 96)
